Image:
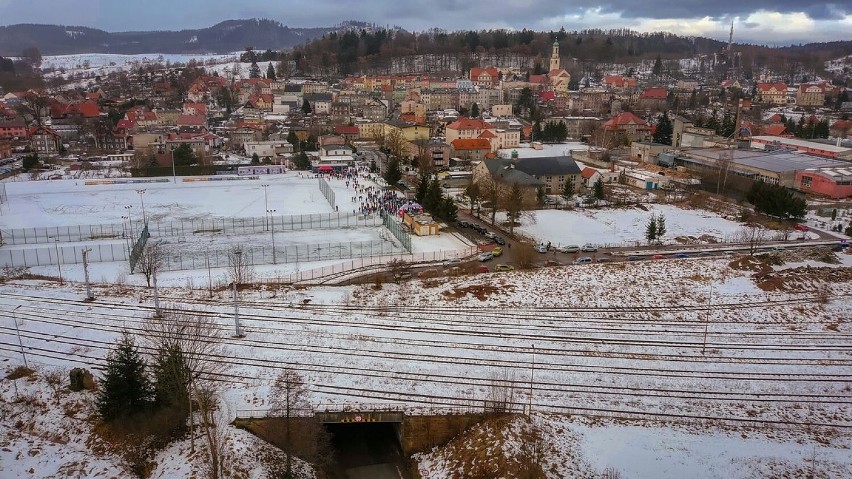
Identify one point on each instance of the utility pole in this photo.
(707, 319)
(532, 380)
(18, 331)
(156, 295)
(237, 330)
(58, 263)
(209, 274)
(86, 252)
(272, 230)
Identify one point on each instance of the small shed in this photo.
(421, 224)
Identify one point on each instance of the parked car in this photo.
(486, 257)
(552, 262)
(452, 262)
(634, 257)
(801, 227)
(504, 267)
(571, 248)
(583, 260)
(491, 235)
(500, 241)
(681, 255)
(498, 251)
(589, 248)
(659, 256)
(483, 269)
(402, 275)
(604, 260)
(463, 224)
(542, 248)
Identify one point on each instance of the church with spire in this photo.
(558, 78)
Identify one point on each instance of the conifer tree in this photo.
(125, 388)
(270, 71)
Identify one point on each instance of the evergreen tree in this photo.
(568, 190)
(651, 229)
(474, 110)
(598, 190)
(306, 107)
(536, 134)
(661, 226)
(393, 174)
(775, 201)
(302, 162)
(183, 155)
(254, 70)
(270, 71)
(125, 388)
(665, 129)
(255, 160)
(449, 210)
(658, 66)
(540, 197)
(422, 188)
(432, 201)
(293, 140)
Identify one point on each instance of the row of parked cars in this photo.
(483, 231)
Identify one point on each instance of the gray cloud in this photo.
(415, 15)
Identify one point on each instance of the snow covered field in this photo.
(775, 370)
(609, 226)
(105, 63)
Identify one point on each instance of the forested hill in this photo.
(354, 51)
(224, 37)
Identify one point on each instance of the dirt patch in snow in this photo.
(479, 291)
(799, 279)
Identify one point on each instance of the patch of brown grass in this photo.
(20, 372)
(479, 291)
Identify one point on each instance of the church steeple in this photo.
(554, 57)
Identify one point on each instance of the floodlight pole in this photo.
(142, 200)
(272, 230)
(532, 380)
(266, 203)
(707, 319)
(239, 265)
(156, 295)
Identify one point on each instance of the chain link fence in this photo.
(266, 255)
(226, 226)
(397, 230)
(47, 255)
(326, 190)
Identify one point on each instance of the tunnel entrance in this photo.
(367, 451)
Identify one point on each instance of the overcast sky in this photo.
(766, 21)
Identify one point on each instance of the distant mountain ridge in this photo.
(224, 37)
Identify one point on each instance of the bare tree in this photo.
(611, 473)
(525, 255)
(502, 393)
(288, 400)
(398, 269)
(33, 108)
(517, 204)
(54, 379)
(492, 193)
(151, 260)
(723, 166)
(183, 345)
(240, 269)
(214, 420)
(753, 236)
(395, 143)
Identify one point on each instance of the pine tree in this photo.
(658, 66)
(432, 201)
(661, 226)
(598, 190)
(474, 110)
(125, 389)
(664, 131)
(568, 190)
(306, 107)
(393, 174)
(270, 71)
(536, 134)
(422, 188)
(651, 230)
(293, 140)
(254, 70)
(449, 210)
(255, 160)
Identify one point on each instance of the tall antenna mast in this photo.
(731, 38)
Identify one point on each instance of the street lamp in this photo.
(272, 230)
(86, 252)
(142, 200)
(266, 203)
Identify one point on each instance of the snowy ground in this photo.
(776, 365)
(547, 149)
(618, 226)
(92, 64)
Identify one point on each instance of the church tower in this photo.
(554, 57)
